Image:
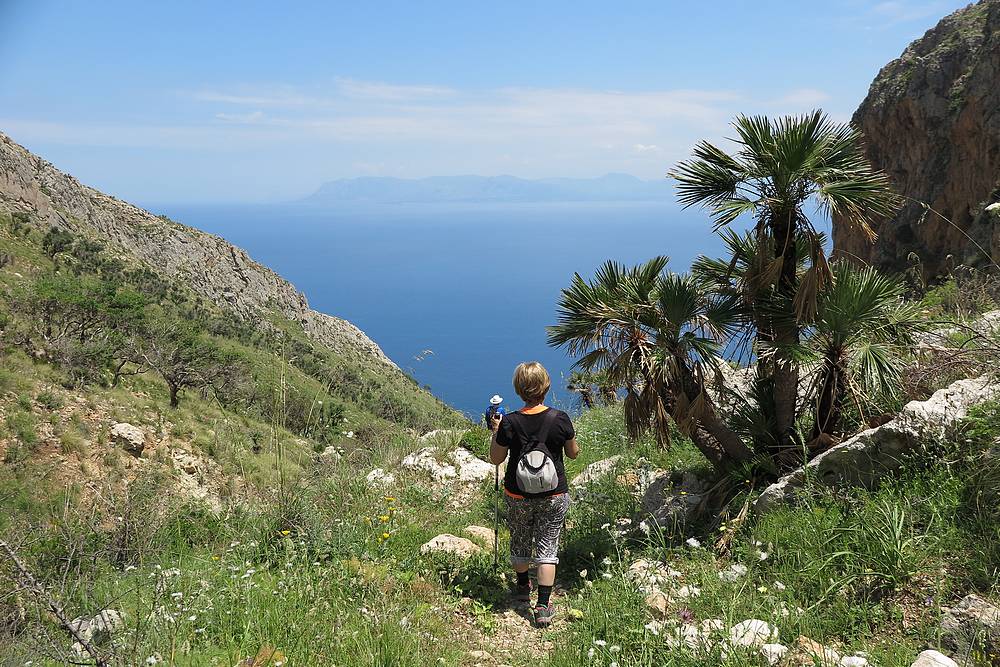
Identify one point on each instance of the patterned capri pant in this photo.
(535, 524)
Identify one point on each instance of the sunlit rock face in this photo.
(931, 122)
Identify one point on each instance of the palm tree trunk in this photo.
(785, 372)
(723, 438)
(829, 407)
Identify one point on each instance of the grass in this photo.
(310, 572)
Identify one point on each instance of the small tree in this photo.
(183, 356)
(56, 241)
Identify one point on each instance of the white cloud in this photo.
(376, 90)
(350, 127)
(252, 117)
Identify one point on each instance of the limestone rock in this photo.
(864, 458)
(380, 479)
(596, 471)
(650, 577)
(933, 659)
(481, 534)
(753, 633)
(974, 623)
(853, 661)
(773, 653)
(458, 465)
(448, 436)
(330, 455)
(98, 629)
(128, 437)
(929, 122)
(658, 604)
(810, 653)
(670, 502)
(451, 544)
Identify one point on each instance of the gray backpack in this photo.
(536, 472)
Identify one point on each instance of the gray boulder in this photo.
(933, 659)
(974, 623)
(866, 457)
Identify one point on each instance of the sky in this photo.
(226, 102)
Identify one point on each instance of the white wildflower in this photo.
(600, 642)
(693, 542)
(778, 586)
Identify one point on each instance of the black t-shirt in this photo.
(560, 432)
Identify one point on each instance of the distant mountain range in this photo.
(383, 190)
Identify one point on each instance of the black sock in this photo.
(522, 578)
(543, 595)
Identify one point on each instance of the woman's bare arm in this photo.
(571, 448)
(497, 452)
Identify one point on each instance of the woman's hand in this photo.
(495, 422)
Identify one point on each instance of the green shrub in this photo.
(477, 441)
(49, 401)
(24, 427)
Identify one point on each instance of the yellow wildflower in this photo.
(384, 518)
(390, 499)
(286, 532)
(385, 536)
(215, 558)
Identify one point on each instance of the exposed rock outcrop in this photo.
(210, 266)
(931, 121)
(866, 457)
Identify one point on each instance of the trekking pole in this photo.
(496, 519)
(496, 514)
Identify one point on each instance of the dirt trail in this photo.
(508, 637)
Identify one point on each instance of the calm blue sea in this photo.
(456, 294)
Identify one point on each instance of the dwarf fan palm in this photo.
(778, 167)
(655, 334)
(861, 328)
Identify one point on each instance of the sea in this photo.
(457, 294)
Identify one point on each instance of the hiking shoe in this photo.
(521, 593)
(544, 615)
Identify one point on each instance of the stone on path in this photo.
(451, 544)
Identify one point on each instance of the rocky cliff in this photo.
(206, 264)
(931, 121)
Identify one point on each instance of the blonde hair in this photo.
(531, 382)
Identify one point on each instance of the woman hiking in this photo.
(535, 437)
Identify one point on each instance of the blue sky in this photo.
(239, 101)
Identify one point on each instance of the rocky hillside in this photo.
(208, 265)
(931, 122)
